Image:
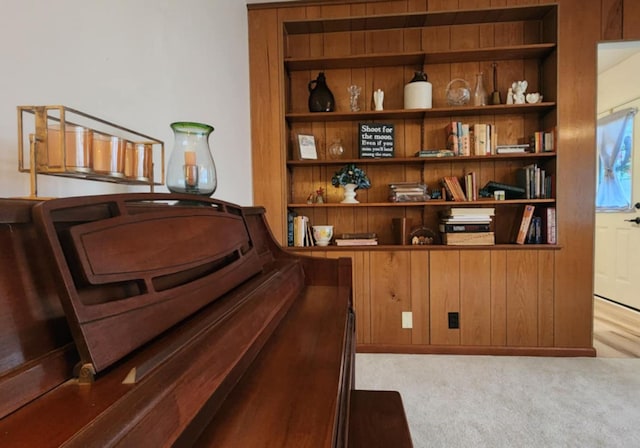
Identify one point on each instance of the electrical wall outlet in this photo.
(454, 320)
(407, 319)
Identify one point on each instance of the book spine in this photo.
(452, 136)
(466, 145)
(463, 228)
(358, 236)
(494, 139)
(534, 235)
(523, 231)
(469, 239)
(297, 221)
(309, 241)
(454, 186)
(551, 225)
(290, 219)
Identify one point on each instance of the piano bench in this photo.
(377, 419)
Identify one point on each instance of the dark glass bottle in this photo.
(320, 97)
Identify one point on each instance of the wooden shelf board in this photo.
(421, 160)
(417, 20)
(355, 61)
(98, 177)
(500, 109)
(431, 203)
(531, 51)
(388, 247)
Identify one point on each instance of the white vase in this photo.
(418, 92)
(350, 194)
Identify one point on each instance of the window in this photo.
(615, 157)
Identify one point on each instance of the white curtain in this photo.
(611, 140)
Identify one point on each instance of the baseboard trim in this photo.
(477, 350)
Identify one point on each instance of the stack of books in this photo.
(465, 226)
(408, 192)
(357, 239)
(512, 149)
(435, 153)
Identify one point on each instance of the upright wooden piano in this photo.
(154, 320)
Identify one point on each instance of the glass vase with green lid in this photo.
(191, 168)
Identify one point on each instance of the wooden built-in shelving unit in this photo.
(511, 299)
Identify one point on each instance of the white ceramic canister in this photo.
(418, 92)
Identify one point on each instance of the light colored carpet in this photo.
(494, 401)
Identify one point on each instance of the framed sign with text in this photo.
(376, 140)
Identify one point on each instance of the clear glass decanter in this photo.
(191, 168)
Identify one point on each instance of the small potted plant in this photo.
(351, 178)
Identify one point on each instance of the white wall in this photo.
(619, 84)
(141, 64)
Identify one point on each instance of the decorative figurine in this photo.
(320, 196)
(378, 99)
(310, 198)
(519, 90)
(510, 96)
(354, 93)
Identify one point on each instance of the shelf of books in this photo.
(460, 225)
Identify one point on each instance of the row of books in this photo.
(537, 227)
(300, 234)
(460, 190)
(476, 139)
(300, 231)
(408, 192)
(535, 182)
(467, 226)
(544, 141)
(479, 139)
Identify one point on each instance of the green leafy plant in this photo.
(351, 174)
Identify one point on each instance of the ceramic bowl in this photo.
(533, 98)
(322, 234)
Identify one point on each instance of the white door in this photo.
(617, 259)
(617, 239)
